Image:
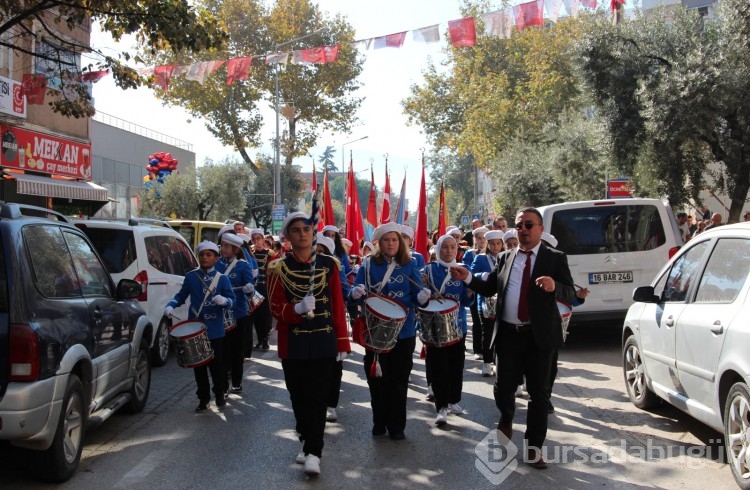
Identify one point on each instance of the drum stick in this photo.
(177, 318)
(420, 286)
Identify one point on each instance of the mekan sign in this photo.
(38, 152)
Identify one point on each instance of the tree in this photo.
(259, 196)
(326, 160)
(674, 96)
(313, 97)
(213, 192)
(33, 28)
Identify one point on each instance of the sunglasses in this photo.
(528, 225)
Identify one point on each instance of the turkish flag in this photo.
(34, 88)
(327, 205)
(442, 212)
(321, 224)
(462, 32)
(420, 233)
(529, 14)
(390, 41)
(162, 74)
(238, 69)
(354, 228)
(385, 209)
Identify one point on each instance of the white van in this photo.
(611, 246)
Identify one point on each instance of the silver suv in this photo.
(73, 346)
(687, 337)
(153, 254)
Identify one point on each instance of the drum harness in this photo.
(209, 290)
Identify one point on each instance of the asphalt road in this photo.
(597, 438)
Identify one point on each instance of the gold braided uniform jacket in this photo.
(326, 334)
(262, 257)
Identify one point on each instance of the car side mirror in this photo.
(645, 294)
(128, 289)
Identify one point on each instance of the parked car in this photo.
(686, 338)
(73, 347)
(611, 245)
(196, 231)
(153, 254)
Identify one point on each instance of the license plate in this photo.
(610, 277)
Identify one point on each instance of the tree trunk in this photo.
(741, 188)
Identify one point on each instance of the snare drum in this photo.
(384, 318)
(193, 347)
(229, 322)
(565, 313)
(488, 310)
(255, 300)
(439, 327)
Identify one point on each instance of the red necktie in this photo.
(523, 300)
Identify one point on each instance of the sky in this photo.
(387, 75)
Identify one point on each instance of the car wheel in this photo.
(160, 350)
(737, 433)
(60, 461)
(141, 380)
(635, 376)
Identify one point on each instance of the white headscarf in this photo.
(439, 246)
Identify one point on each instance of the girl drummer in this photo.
(241, 275)
(446, 364)
(484, 263)
(477, 326)
(391, 272)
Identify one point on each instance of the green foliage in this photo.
(317, 96)
(212, 192)
(326, 160)
(674, 96)
(157, 25)
(259, 202)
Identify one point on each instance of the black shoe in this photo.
(257, 346)
(202, 407)
(264, 347)
(397, 436)
(550, 409)
(221, 403)
(378, 431)
(236, 389)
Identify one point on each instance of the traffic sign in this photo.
(278, 212)
(464, 220)
(474, 216)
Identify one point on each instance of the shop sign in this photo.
(38, 152)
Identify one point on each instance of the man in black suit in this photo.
(528, 326)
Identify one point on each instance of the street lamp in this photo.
(277, 142)
(343, 163)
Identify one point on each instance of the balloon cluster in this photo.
(159, 166)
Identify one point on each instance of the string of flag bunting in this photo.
(461, 32)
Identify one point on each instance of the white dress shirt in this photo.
(513, 288)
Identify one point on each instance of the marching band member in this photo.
(479, 246)
(485, 263)
(391, 272)
(327, 246)
(261, 317)
(242, 275)
(305, 296)
(446, 364)
(210, 293)
(407, 232)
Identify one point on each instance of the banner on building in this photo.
(38, 152)
(12, 101)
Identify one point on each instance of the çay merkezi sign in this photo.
(37, 152)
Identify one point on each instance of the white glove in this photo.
(168, 311)
(358, 291)
(248, 288)
(219, 300)
(484, 276)
(254, 273)
(424, 296)
(307, 304)
(341, 356)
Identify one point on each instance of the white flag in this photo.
(572, 7)
(279, 58)
(429, 34)
(498, 23)
(553, 8)
(199, 71)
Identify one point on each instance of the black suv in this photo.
(73, 347)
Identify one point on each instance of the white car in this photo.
(612, 244)
(155, 255)
(686, 339)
